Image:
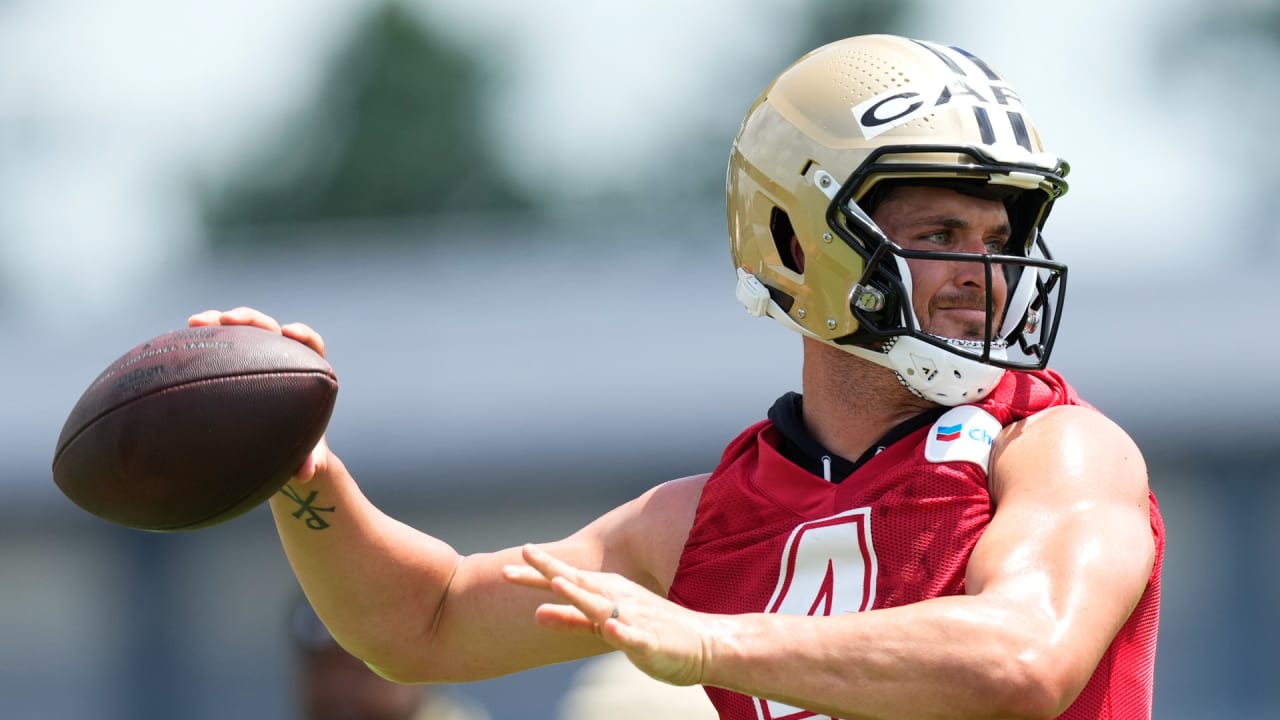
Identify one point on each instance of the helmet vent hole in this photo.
(783, 233)
(863, 75)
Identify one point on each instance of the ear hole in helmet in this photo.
(783, 234)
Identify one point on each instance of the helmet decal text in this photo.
(973, 83)
(890, 109)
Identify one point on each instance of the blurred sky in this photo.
(110, 112)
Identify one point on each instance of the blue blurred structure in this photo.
(492, 404)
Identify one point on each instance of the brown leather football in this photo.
(194, 427)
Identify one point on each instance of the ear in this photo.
(797, 254)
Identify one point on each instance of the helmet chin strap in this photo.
(937, 375)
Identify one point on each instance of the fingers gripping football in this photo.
(317, 460)
(301, 332)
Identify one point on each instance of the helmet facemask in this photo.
(1017, 335)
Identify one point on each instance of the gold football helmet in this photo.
(829, 136)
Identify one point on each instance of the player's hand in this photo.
(318, 460)
(301, 332)
(661, 638)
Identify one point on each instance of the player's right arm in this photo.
(416, 610)
(406, 602)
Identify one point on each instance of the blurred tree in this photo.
(1221, 59)
(393, 131)
(832, 21)
(1256, 18)
(1232, 40)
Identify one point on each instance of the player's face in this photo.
(949, 297)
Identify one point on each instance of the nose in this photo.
(973, 273)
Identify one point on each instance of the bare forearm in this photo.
(376, 582)
(405, 602)
(945, 658)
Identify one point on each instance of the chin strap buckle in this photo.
(752, 293)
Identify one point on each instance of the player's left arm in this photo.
(1070, 547)
(1064, 561)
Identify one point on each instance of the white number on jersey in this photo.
(828, 568)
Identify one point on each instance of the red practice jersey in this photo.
(770, 536)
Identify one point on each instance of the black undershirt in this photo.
(802, 448)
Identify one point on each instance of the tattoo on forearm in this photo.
(307, 507)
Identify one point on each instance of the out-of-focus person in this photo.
(609, 687)
(332, 684)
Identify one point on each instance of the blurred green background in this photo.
(507, 220)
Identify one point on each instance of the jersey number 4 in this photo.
(828, 568)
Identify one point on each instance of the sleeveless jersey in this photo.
(771, 537)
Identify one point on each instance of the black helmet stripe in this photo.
(956, 63)
(984, 125)
(955, 67)
(992, 75)
(1019, 125)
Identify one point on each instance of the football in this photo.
(194, 427)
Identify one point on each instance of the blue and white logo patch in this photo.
(962, 434)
